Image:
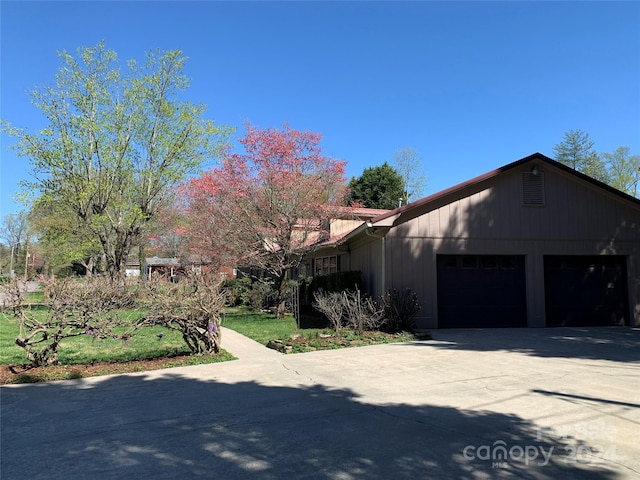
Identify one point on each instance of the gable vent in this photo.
(533, 188)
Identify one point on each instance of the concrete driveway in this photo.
(470, 404)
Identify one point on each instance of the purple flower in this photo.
(211, 328)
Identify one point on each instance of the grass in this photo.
(263, 327)
(158, 347)
(83, 356)
(149, 342)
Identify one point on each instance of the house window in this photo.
(325, 265)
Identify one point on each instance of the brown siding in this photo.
(578, 218)
(366, 257)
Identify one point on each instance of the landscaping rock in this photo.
(276, 345)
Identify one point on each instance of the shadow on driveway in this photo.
(171, 427)
(617, 344)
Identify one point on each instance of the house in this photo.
(533, 243)
(162, 267)
(344, 221)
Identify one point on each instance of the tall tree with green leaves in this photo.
(62, 239)
(576, 151)
(117, 141)
(624, 170)
(377, 187)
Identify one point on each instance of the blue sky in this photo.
(471, 85)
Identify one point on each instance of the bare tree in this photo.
(14, 232)
(408, 163)
(14, 227)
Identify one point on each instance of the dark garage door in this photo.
(481, 291)
(583, 291)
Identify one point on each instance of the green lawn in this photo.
(263, 327)
(313, 335)
(149, 342)
(158, 344)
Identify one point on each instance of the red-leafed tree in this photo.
(270, 205)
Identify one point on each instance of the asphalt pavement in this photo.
(469, 404)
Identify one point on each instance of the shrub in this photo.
(258, 294)
(400, 306)
(262, 296)
(237, 291)
(193, 306)
(350, 309)
(73, 308)
(334, 282)
(362, 313)
(331, 305)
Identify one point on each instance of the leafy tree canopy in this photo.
(378, 187)
(118, 140)
(619, 169)
(269, 205)
(576, 151)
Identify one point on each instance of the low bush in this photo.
(361, 311)
(400, 308)
(332, 306)
(349, 309)
(245, 292)
(91, 307)
(193, 306)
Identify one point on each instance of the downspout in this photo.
(383, 264)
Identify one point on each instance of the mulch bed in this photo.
(29, 374)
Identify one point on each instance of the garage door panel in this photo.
(481, 291)
(585, 290)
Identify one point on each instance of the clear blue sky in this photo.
(471, 85)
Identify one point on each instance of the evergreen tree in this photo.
(378, 187)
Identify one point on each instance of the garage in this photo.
(586, 291)
(481, 291)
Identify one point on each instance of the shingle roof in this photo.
(162, 262)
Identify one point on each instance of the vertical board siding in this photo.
(571, 212)
(490, 218)
(367, 258)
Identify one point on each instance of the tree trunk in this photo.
(281, 300)
(89, 266)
